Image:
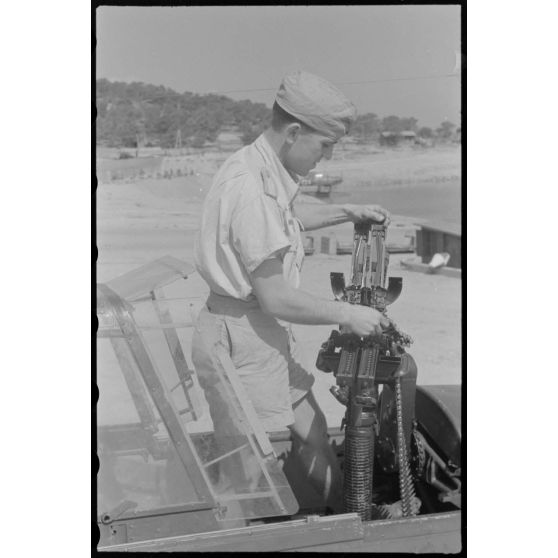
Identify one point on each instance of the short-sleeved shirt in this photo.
(247, 218)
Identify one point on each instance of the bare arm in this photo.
(317, 215)
(280, 300)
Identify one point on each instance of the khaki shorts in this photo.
(263, 352)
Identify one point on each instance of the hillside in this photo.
(128, 113)
(144, 115)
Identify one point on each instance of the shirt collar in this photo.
(272, 161)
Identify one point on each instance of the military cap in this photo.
(316, 102)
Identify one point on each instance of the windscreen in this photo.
(156, 443)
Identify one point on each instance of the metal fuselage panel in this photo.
(343, 533)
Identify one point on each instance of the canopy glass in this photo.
(156, 445)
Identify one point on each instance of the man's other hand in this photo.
(372, 213)
(363, 320)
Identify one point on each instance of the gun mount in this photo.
(379, 428)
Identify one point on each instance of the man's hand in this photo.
(372, 213)
(363, 320)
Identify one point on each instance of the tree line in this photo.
(369, 126)
(133, 114)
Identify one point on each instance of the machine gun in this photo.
(373, 424)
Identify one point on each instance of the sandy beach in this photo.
(141, 220)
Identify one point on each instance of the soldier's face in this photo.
(307, 151)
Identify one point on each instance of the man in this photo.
(249, 251)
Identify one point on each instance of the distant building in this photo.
(394, 138)
(229, 140)
(408, 135)
(389, 138)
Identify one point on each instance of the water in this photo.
(430, 201)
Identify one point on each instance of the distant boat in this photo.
(318, 183)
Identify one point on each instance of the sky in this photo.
(244, 51)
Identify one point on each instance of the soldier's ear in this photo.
(292, 131)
